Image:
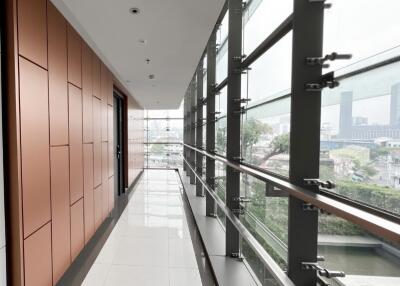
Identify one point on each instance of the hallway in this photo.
(151, 243)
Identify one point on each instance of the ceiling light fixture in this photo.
(134, 11)
(142, 41)
(151, 76)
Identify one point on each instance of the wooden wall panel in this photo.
(97, 140)
(74, 57)
(111, 151)
(96, 76)
(88, 203)
(110, 89)
(111, 195)
(32, 30)
(98, 206)
(37, 258)
(58, 89)
(75, 147)
(77, 229)
(60, 209)
(104, 100)
(87, 92)
(34, 108)
(104, 176)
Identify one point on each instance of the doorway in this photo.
(118, 145)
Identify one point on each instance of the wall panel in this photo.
(75, 147)
(58, 76)
(96, 76)
(74, 57)
(32, 31)
(98, 206)
(37, 258)
(87, 92)
(88, 203)
(77, 229)
(60, 208)
(35, 146)
(97, 140)
(104, 100)
(111, 195)
(104, 176)
(111, 152)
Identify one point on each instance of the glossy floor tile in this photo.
(151, 243)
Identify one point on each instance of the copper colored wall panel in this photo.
(111, 194)
(37, 258)
(87, 92)
(104, 100)
(96, 76)
(98, 206)
(97, 140)
(88, 191)
(111, 151)
(60, 208)
(74, 57)
(77, 229)
(34, 146)
(104, 176)
(96, 120)
(111, 89)
(75, 139)
(58, 93)
(32, 30)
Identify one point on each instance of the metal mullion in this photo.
(284, 28)
(304, 137)
(221, 85)
(192, 127)
(210, 138)
(199, 125)
(235, 9)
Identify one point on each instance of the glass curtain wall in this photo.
(359, 136)
(163, 138)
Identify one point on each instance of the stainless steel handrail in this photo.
(371, 222)
(269, 263)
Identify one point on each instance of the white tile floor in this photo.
(151, 244)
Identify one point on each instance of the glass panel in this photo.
(266, 216)
(360, 137)
(369, 35)
(163, 155)
(170, 130)
(257, 266)
(270, 76)
(265, 136)
(261, 18)
(366, 259)
(204, 136)
(220, 125)
(222, 63)
(220, 179)
(222, 32)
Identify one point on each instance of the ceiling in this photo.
(175, 34)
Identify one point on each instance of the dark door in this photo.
(118, 145)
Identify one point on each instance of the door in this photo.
(118, 145)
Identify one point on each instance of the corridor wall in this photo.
(60, 142)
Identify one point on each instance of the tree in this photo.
(279, 145)
(252, 130)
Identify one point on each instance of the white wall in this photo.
(2, 223)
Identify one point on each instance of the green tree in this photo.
(252, 130)
(279, 145)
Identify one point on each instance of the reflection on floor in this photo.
(151, 244)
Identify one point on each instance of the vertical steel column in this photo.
(199, 126)
(192, 95)
(210, 138)
(304, 136)
(184, 129)
(233, 120)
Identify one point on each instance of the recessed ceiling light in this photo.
(142, 41)
(128, 81)
(134, 11)
(151, 76)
